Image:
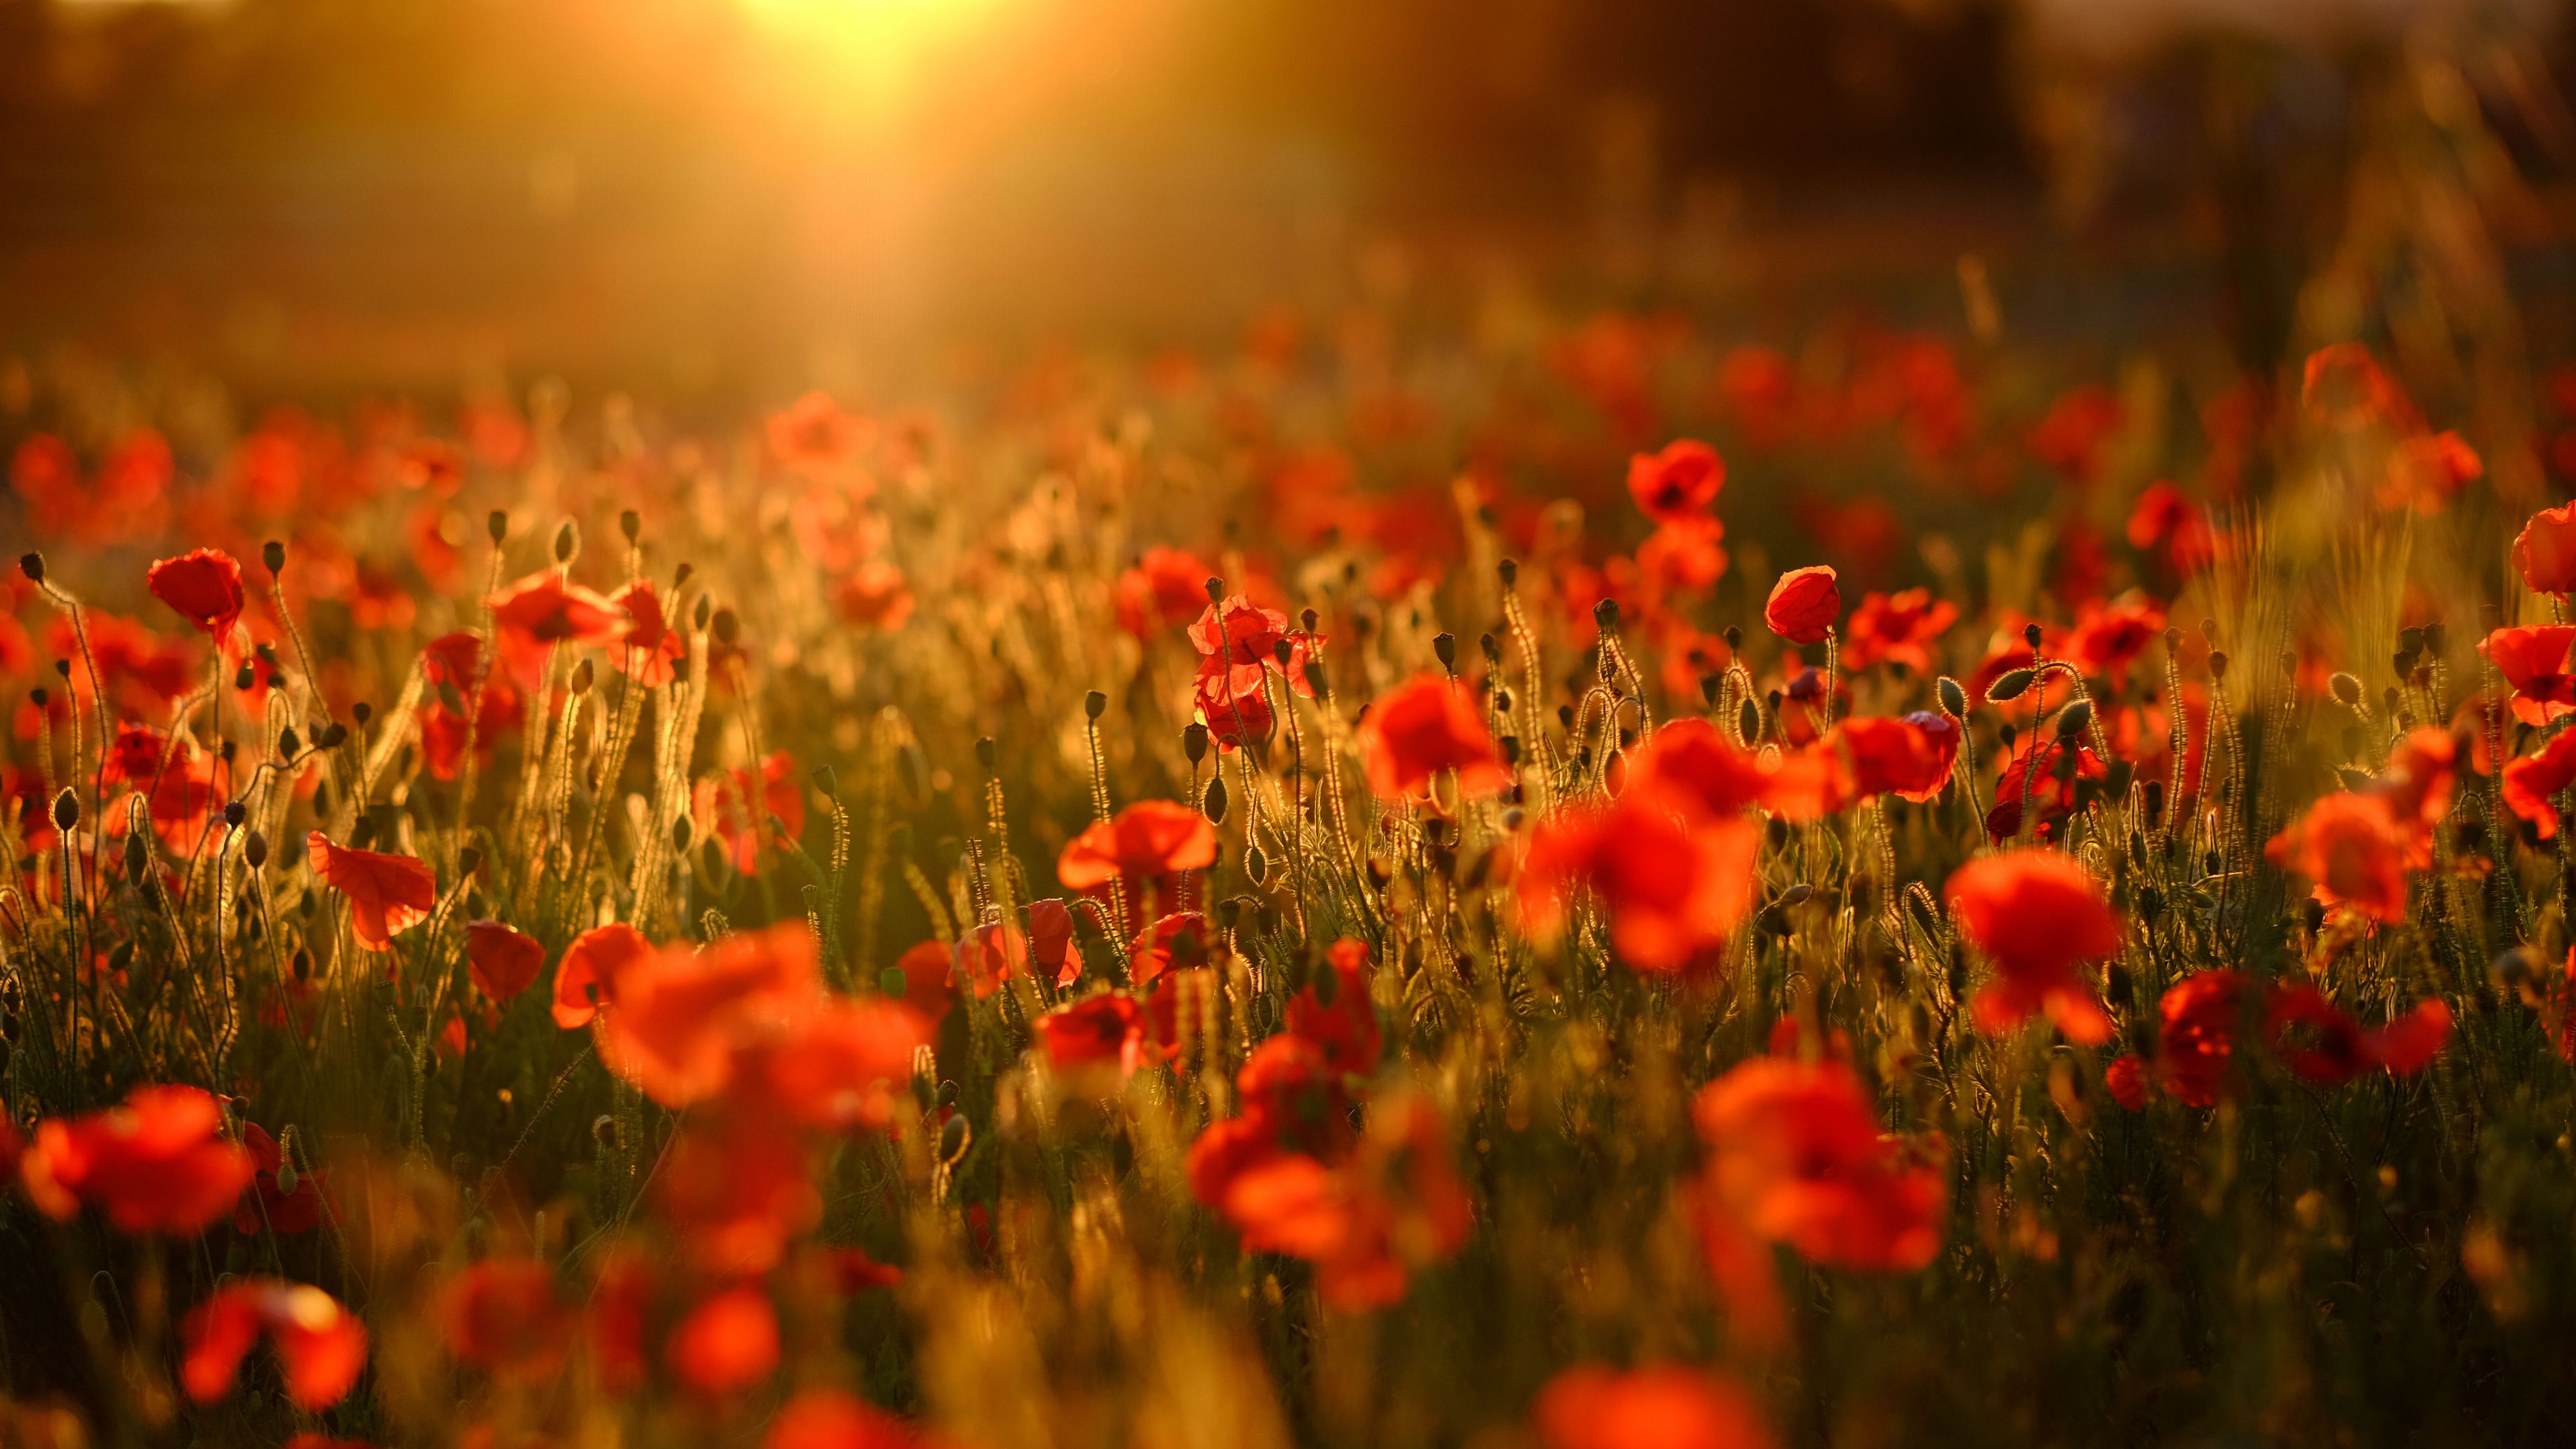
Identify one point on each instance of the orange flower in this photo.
(1674, 892)
(2323, 1045)
(2354, 849)
(586, 979)
(1664, 1406)
(1910, 758)
(726, 1343)
(2544, 553)
(157, 1164)
(1677, 484)
(2534, 662)
(1148, 838)
(504, 962)
(680, 1012)
(1804, 604)
(2037, 915)
(1797, 1157)
(1689, 762)
(1421, 730)
(321, 1345)
(204, 587)
(501, 1315)
(1899, 629)
(388, 894)
(2532, 783)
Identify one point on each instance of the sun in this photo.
(870, 56)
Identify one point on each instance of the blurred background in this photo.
(714, 197)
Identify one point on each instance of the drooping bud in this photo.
(2011, 686)
(254, 849)
(2072, 720)
(1213, 804)
(33, 566)
(2347, 690)
(582, 676)
(1606, 614)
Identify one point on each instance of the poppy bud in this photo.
(567, 541)
(1776, 831)
(273, 554)
(1503, 700)
(954, 1138)
(1194, 739)
(362, 712)
(1954, 700)
(1491, 647)
(2151, 903)
(41, 696)
(2401, 663)
(1606, 613)
(1215, 590)
(680, 576)
(1708, 687)
(334, 735)
(2010, 686)
(66, 810)
(2072, 720)
(603, 1130)
(1213, 804)
(137, 860)
(582, 676)
(2434, 634)
(2209, 632)
(631, 524)
(2031, 635)
(1094, 705)
(254, 849)
(33, 566)
(245, 677)
(2217, 664)
(63, 667)
(1309, 618)
(235, 813)
(680, 829)
(727, 627)
(2211, 862)
(288, 744)
(1256, 865)
(1283, 651)
(2410, 640)
(1315, 678)
(985, 752)
(1509, 570)
(2155, 803)
(1748, 721)
(496, 525)
(2115, 780)
(1510, 748)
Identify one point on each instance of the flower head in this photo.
(1804, 604)
(1423, 729)
(2037, 915)
(204, 587)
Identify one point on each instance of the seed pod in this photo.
(2434, 634)
(1606, 614)
(2217, 664)
(1094, 705)
(244, 677)
(1215, 590)
(333, 736)
(234, 813)
(1213, 803)
(288, 743)
(1954, 700)
(362, 712)
(1444, 647)
(254, 849)
(2010, 686)
(1283, 651)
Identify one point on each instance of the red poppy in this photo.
(1166, 587)
(613, 1322)
(2427, 471)
(157, 1164)
(2532, 783)
(728, 1342)
(2107, 641)
(831, 1419)
(736, 1188)
(1804, 604)
(299, 1208)
(1239, 633)
(1897, 629)
(2544, 553)
(2534, 662)
(1288, 1086)
(680, 1012)
(813, 435)
(1677, 484)
(1689, 762)
(2056, 793)
(852, 1271)
(2196, 1045)
(838, 1065)
(1333, 1011)
(1797, 1156)
(2038, 916)
(1148, 838)
(1234, 704)
(2419, 782)
(1910, 758)
(1051, 940)
(1421, 730)
(2354, 849)
(586, 979)
(501, 1315)
(1104, 1028)
(504, 962)
(1658, 1407)
(2166, 519)
(1674, 892)
(927, 972)
(2344, 386)
(2324, 1046)
(647, 648)
(388, 894)
(321, 1345)
(2126, 1080)
(544, 609)
(736, 811)
(1684, 556)
(874, 596)
(2078, 427)
(990, 954)
(204, 587)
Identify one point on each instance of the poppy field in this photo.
(1638, 887)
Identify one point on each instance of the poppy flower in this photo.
(388, 894)
(2427, 471)
(735, 1189)
(544, 609)
(280, 1209)
(728, 1342)
(157, 1164)
(813, 435)
(2355, 851)
(504, 962)
(2045, 777)
(1674, 891)
(1690, 763)
(2419, 782)
(1804, 604)
(1333, 1011)
(874, 596)
(1797, 1156)
(2534, 662)
(990, 954)
(1678, 483)
(2532, 783)
(2126, 1080)
(2324, 1046)
(2108, 640)
(321, 1345)
(2078, 426)
(1683, 556)
(1148, 838)
(1104, 1028)
(443, 733)
(837, 1065)
(1423, 729)
(1166, 586)
(680, 1012)
(1179, 1010)
(737, 810)
(2544, 553)
(1238, 633)
(1288, 1086)
(502, 1315)
(1663, 1406)
(586, 978)
(1234, 705)
(647, 649)
(2344, 386)
(203, 587)
(1910, 758)
(2168, 521)
(2196, 1042)
(2037, 915)
(831, 1419)
(852, 1270)
(1051, 940)
(927, 970)
(614, 1321)
(1897, 629)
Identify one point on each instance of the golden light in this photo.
(866, 59)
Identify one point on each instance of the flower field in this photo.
(1628, 886)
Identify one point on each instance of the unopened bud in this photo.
(273, 554)
(1094, 705)
(496, 525)
(631, 524)
(567, 541)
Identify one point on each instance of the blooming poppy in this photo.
(1333, 1011)
(544, 609)
(1051, 940)
(729, 1341)
(738, 810)
(1897, 629)
(927, 970)
(1662, 1406)
(2126, 1080)
(1148, 838)
(2532, 783)
(388, 894)
(1106, 1027)
(813, 435)
(1683, 556)
(2108, 640)
(1797, 1156)
(1423, 729)
(1165, 587)
(2354, 849)
(2534, 662)
(203, 587)
(736, 1188)
(586, 978)
(280, 1200)
(874, 596)
(680, 1013)
(502, 1315)
(1910, 757)
(2421, 777)
(1180, 1009)
(648, 649)
(321, 1345)
(1674, 891)
(2324, 1046)
(837, 1065)
(990, 954)
(2427, 471)
(2040, 770)
(1690, 763)
(1235, 705)
(614, 1320)
(2196, 1042)
(2344, 386)
(1678, 483)
(1804, 604)
(504, 962)
(156, 1164)
(2167, 520)
(2544, 553)
(2037, 915)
